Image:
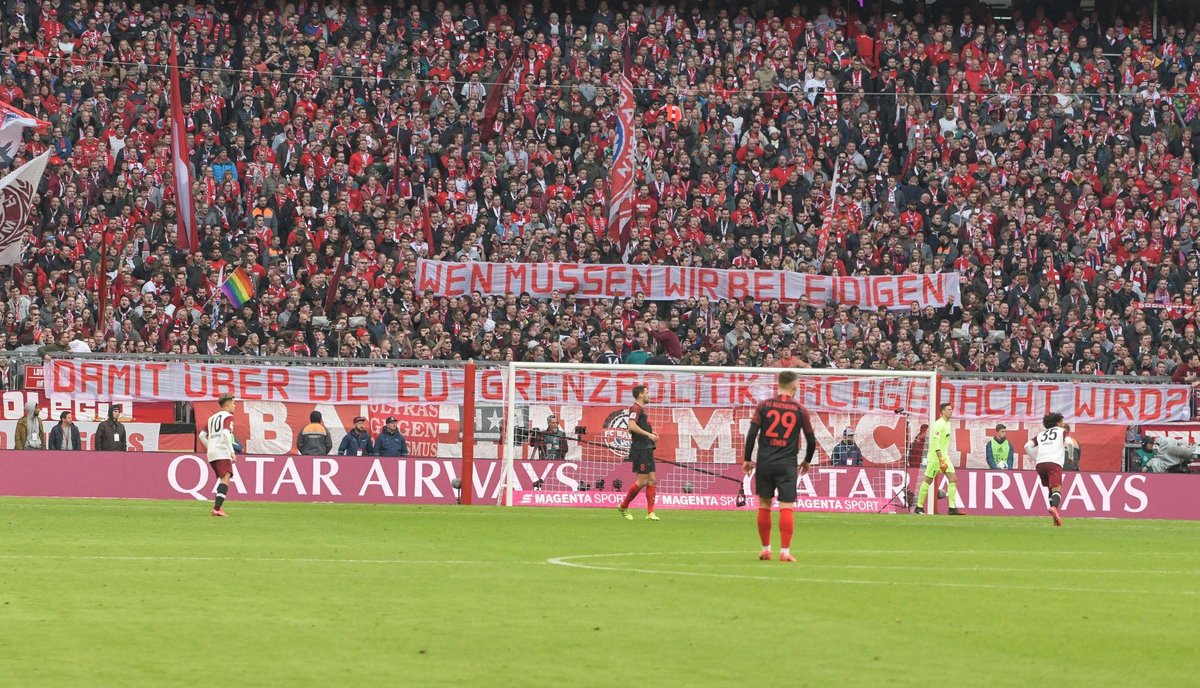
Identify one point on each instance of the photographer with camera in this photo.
(549, 444)
(1170, 455)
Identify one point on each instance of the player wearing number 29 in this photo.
(938, 461)
(780, 420)
(218, 438)
(642, 440)
(1049, 450)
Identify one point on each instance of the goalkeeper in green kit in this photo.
(938, 461)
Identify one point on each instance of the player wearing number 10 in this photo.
(218, 439)
(938, 461)
(780, 419)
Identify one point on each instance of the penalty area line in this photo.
(569, 561)
(297, 560)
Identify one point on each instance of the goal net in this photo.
(869, 425)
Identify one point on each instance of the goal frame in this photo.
(505, 497)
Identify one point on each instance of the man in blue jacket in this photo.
(847, 452)
(390, 442)
(357, 442)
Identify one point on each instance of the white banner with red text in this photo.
(157, 381)
(278, 478)
(1086, 402)
(674, 283)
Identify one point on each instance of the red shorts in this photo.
(222, 467)
(1051, 475)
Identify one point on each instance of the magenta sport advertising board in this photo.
(382, 480)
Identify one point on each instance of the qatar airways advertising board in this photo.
(383, 480)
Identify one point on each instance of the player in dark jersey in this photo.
(780, 419)
(642, 440)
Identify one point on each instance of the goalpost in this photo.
(701, 415)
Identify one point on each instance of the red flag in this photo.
(394, 187)
(102, 286)
(331, 298)
(620, 199)
(17, 190)
(426, 220)
(492, 105)
(186, 237)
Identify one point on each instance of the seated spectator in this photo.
(357, 442)
(64, 436)
(390, 441)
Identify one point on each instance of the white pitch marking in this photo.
(567, 561)
(871, 567)
(300, 560)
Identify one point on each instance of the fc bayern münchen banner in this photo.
(620, 199)
(673, 283)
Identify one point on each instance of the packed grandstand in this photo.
(1046, 157)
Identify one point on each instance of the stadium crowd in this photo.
(1048, 158)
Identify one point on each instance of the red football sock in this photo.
(633, 492)
(764, 527)
(650, 492)
(785, 528)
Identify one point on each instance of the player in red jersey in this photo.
(781, 419)
(642, 440)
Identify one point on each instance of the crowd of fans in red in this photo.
(1051, 160)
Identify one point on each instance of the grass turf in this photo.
(158, 593)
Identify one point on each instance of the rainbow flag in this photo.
(239, 287)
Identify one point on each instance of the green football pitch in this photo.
(107, 593)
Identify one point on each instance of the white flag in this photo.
(17, 191)
(12, 132)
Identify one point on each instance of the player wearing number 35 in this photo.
(1049, 449)
(780, 420)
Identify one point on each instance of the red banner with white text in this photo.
(717, 435)
(1187, 432)
(673, 283)
(266, 427)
